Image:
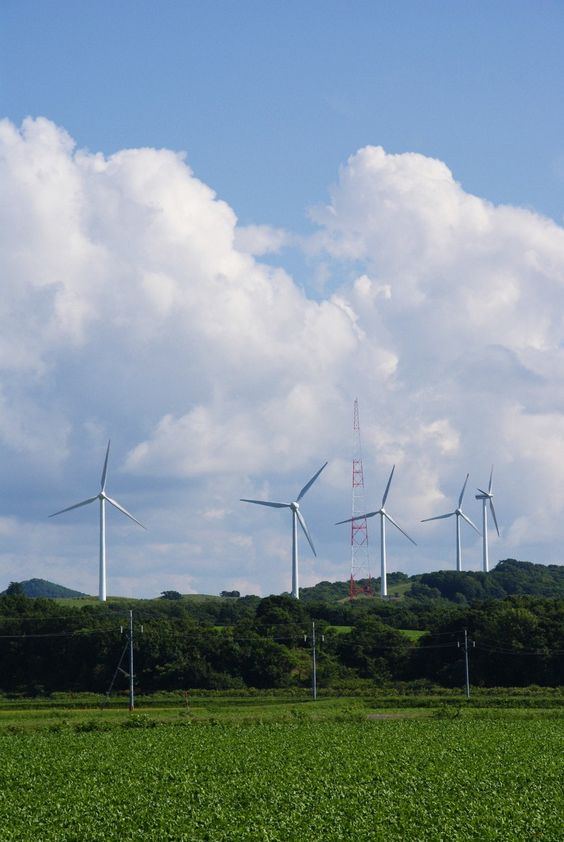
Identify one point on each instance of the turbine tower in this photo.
(102, 497)
(484, 496)
(459, 514)
(297, 517)
(360, 558)
(384, 516)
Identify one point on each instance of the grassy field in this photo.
(229, 705)
(228, 711)
(78, 601)
(478, 777)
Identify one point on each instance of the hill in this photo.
(45, 589)
(509, 578)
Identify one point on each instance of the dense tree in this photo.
(226, 643)
(518, 641)
(374, 650)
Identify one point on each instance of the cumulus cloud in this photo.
(469, 296)
(135, 306)
(261, 239)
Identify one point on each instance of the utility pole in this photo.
(313, 660)
(129, 675)
(314, 663)
(466, 646)
(131, 679)
(360, 560)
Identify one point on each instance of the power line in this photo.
(540, 651)
(292, 636)
(77, 633)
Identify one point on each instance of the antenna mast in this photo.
(360, 560)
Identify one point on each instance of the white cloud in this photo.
(134, 306)
(261, 239)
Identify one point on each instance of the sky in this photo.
(220, 223)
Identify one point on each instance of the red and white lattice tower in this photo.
(360, 581)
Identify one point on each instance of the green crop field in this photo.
(477, 778)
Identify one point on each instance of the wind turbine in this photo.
(484, 496)
(102, 497)
(297, 517)
(459, 514)
(384, 516)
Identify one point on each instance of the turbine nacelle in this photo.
(384, 516)
(297, 517)
(103, 498)
(487, 497)
(458, 513)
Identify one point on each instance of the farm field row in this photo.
(61, 709)
(469, 778)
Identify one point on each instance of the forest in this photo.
(226, 643)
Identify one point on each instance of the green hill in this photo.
(398, 584)
(43, 588)
(509, 578)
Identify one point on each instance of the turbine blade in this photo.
(266, 503)
(105, 468)
(492, 510)
(385, 497)
(308, 485)
(467, 519)
(357, 517)
(462, 492)
(484, 493)
(390, 518)
(305, 529)
(125, 512)
(491, 480)
(438, 517)
(76, 506)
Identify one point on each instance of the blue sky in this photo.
(270, 98)
(433, 297)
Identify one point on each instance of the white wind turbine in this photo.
(296, 517)
(384, 516)
(102, 497)
(484, 496)
(459, 514)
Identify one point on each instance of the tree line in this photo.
(508, 578)
(234, 643)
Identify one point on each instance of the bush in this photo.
(90, 725)
(139, 720)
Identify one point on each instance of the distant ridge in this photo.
(508, 578)
(45, 589)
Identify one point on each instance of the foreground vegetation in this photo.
(462, 778)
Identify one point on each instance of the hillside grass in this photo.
(413, 634)
(193, 599)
